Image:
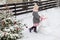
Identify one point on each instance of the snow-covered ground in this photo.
(49, 29)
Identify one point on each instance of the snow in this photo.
(49, 29)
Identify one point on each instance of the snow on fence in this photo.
(22, 8)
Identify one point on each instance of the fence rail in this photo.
(22, 8)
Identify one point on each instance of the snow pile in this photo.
(49, 29)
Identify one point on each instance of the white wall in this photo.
(43, 0)
(36, 0)
(2, 1)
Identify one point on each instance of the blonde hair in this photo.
(35, 4)
(35, 8)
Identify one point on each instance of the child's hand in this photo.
(42, 18)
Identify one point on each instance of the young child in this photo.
(36, 18)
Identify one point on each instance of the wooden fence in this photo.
(22, 8)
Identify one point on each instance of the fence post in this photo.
(15, 10)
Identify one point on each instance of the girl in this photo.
(36, 18)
